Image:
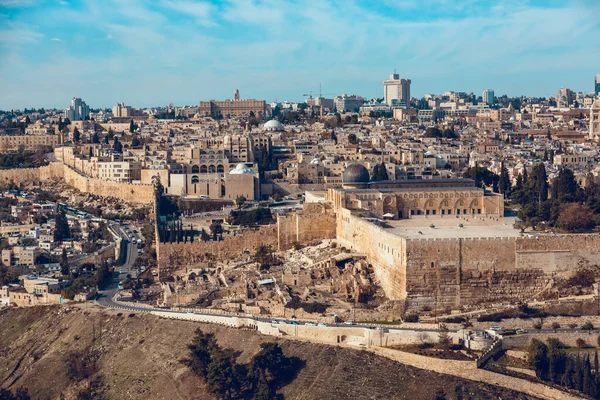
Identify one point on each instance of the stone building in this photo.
(413, 198)
(464, 256)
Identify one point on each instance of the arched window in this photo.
(195, 169)
(195, 179)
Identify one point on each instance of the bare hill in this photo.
(138, 357)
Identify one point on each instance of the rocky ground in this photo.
(138, 357)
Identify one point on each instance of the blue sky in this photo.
(152, 52)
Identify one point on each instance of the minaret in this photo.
(236, 95)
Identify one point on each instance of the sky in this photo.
(153, 52)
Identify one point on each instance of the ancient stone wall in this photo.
(141, 194)
(33, 175)
(449, 273)
(384, 250)
(300, 227)
(304, 228)
(173, 256)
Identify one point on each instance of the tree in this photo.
(91, 154)
(201, 349)
(504, 182)
(95, 138)
(380, 173)
(132, 126)
(265, 256)
(204, 236)
(135, 142)
(240, 200)
(61, 226)
(64, 263)
(20, 394)
(565, 188)
(575, 217)
(352, 139)
(76, 135)
(217, 230)
(541, 181)
(443, 338)
(537, 357)
(117, 146)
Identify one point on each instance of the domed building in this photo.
(273, 126)
(241, 181)
(242, 169)
(355, 176)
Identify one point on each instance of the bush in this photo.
(412, 317)
(538, 324)
(454, 320)
(581, 343)
(494, 317)
(81, 364)
(318, 308)
(555, 325)
(588, 326)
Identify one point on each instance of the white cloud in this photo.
(17, 3)
(200, 11)
(55, 39)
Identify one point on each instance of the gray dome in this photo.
(355, 173)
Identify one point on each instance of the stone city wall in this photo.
(455, 272)
(301, 228)
(304, 228)
(384, 250)
(172, 256)
(141, 194)
(449, 273)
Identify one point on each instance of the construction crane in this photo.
(310, 96)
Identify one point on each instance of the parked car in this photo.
(496, 328)
(349, 323)
(321, 324)
(310, 324)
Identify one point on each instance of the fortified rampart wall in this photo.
(451, 272)
(386, 251)
(300, 228)
(140, 194)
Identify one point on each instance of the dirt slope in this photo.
(139, 358)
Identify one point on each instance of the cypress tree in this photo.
(587, 376)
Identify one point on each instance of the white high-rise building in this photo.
(78, 110)
(396, 91)
(489, 97)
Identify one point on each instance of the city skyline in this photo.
(152, 53)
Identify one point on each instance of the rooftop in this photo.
(448, 228)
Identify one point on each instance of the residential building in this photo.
(489, 97)
(396, 91)
(78, 110)
(565, 97)
(345, 103)
(121, 111)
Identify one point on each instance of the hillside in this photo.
(138, 358)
